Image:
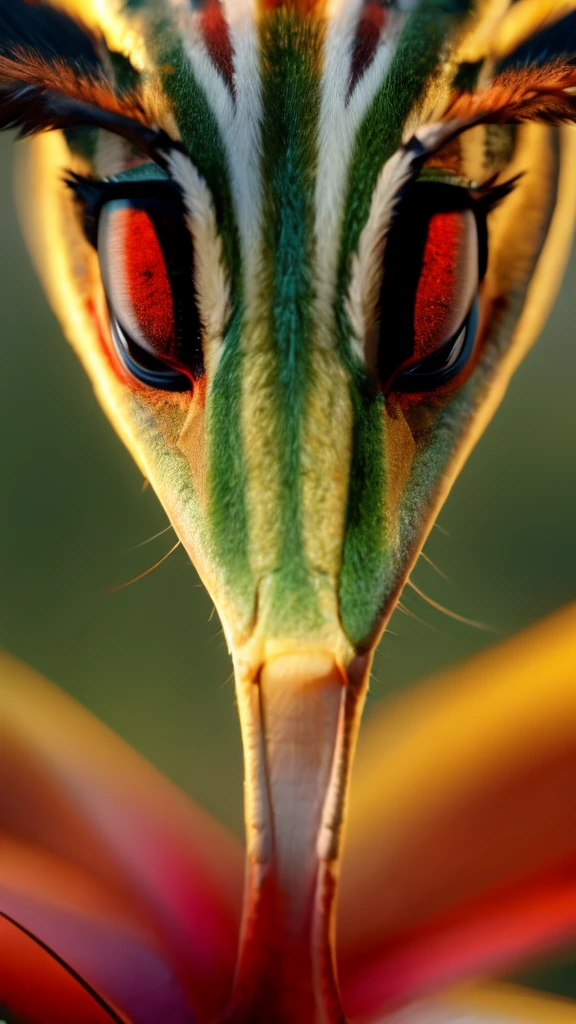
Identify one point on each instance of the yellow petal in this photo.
(488, 1004)
(460, 803)
(508, 1004)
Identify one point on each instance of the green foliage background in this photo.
(150, 659)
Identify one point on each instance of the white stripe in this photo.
(205, 71)
(367, 262)
(338, 128)
(210, 278)
(238, 119)
(244, 138)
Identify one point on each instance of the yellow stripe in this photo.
(261, 447)
(327, 447)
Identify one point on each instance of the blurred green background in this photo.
(150, 659)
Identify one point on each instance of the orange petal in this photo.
(74, 790)
(460, 849)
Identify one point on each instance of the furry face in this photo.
(299, 465)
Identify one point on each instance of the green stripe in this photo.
(418, 56)
(363, 575)
(226, 468)
(291, 100)
(225, 458)
(201, 137)
(367, 551)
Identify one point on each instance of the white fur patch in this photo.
(367, 262)
(338, 127)
(239, 117)
(243, 139)
(210, 277)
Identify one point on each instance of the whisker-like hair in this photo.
(121, 586)
(412, 615)
(153, 537)
(434, 566)
(442, 529)
(447, 611)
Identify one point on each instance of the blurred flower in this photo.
(121, 900)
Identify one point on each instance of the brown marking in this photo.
(544, 94)
(217, 39)
(368, 35)
(59, 77)
(313, 9)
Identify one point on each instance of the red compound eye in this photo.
(36, 988)
(146, 259)
(139, 285)
(448, 280)
(432, 269)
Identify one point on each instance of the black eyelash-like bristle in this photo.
(86, 190)
(31, 109)
(47, 32)
(555, 42)
(92, 193)
(89, 194)
(52, 77)
(490, 195)
(34, 35)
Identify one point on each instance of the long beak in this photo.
(299, 717)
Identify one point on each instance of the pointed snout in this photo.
(299, 716)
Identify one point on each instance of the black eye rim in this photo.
(419, 378)
(93, 196)
(151, 371)
(422, 199)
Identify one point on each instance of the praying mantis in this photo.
(300, 249)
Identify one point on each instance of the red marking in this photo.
(368, 34)
(217, 39)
